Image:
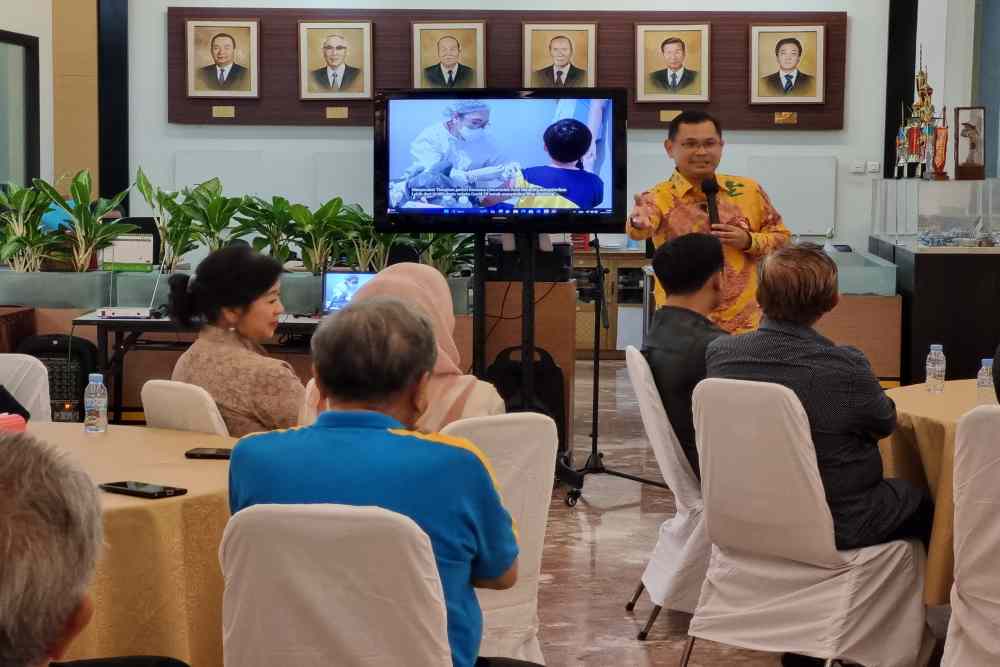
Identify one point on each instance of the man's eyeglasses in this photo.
(708, 144)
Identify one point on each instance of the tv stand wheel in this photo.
(572, 496)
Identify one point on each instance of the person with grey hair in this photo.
(372, 362)
(448, 72)
(50, 539)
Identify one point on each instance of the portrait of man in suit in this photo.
(562, 72)
(789, 79)
(675, 78)
(672, 62)
(559, 55)
(334, 60)
(449, 72)
(222, 58)
(337, 74)
(224, 73)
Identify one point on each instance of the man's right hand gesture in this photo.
(644, 214)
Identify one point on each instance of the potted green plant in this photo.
(75, 245)
(173, 224)
(88, 232)
(271, 221)
(368, 248)
(211, 213)
(447, 253)
(24, 243)
(321, 234)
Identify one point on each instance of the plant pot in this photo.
(56, 290)
(136, 289)
(301, 292)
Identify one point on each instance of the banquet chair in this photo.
(181, 407)
(972, 639)
(776, 581)
(320, 585)
(27, 380)
(677, 566)
(522, 449)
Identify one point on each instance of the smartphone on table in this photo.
(143, 489)
(208, 453)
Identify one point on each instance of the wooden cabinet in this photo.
(623, 286)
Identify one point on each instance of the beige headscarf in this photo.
(425, 288)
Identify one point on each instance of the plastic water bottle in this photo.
(95, 403)
(935, 370)
(985, 394)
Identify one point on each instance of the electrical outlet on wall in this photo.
(874, 167)
(858, 167)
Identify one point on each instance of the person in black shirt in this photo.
(847, 408)
(996, 372)
(689, 269)
(566, 142)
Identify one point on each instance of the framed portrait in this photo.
(335, 60)
(558, 55)
(222, 58)
(787, 64)
(672, 63)
(449, 55)
(970, 138)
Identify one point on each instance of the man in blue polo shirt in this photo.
(372, 361)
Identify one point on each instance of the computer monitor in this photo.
(500, 160)
(340, 287)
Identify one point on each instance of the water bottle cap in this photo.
(96, 378)
(987, 363)
(937, 348)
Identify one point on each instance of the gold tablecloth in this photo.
(158, 586)
(922, 450)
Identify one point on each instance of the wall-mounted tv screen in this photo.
(551, 160)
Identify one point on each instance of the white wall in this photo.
(34, 17)
(307, 163)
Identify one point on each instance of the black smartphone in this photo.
(143, 489)
(208, 453)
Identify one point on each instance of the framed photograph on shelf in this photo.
(970, 138)
(335, 60)
(222, 58)
(560, 55)
(449, 55)
(672, 63)
(787, 64)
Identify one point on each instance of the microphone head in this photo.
(710, 186)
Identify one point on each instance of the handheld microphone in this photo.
(711, 189)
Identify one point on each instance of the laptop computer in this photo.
(339, 288)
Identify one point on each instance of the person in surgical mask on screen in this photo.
(459, 152)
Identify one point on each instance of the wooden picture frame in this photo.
(658, 48)
(335, 60)
(552, 53)
(767, 67)
(241, 77)
(970, 142)
(470, 65)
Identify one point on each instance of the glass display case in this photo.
(938, 216)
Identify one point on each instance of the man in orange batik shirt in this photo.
(749, 228)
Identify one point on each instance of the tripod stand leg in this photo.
(635, 598)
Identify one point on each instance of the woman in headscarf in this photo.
(451, 394)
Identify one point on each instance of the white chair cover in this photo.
(27, 380)
(676, 569)
(974, 629)
(776, 581)
(321, 585)
(522, 448)
(181, 407)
